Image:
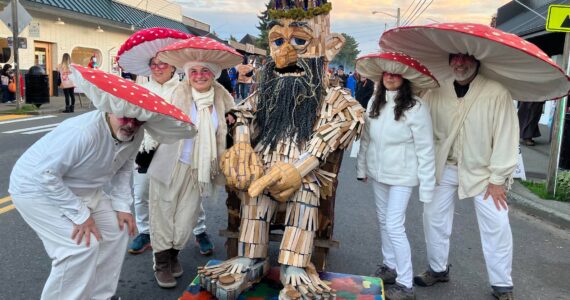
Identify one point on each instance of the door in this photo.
(42, 58)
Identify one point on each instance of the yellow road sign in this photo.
(558, 18)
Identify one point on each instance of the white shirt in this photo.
(188, 146)
(75, 161)
(399, 152)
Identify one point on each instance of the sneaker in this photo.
(388, 275)
(400, 292)
(503, 293)
(140, 244)
(430, 277)
(206, 246)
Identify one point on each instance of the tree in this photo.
(262, 41)
(233, 38)
(348, 53)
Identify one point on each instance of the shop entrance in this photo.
(43, 58)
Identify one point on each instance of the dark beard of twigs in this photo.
(288, 106)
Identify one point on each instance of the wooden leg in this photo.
(231, 247)
(320, 258)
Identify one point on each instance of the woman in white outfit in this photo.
(396, 154)
(183, 173)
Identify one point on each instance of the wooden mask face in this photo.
(308, 38)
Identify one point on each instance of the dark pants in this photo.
(244, 89)
(529, 115)
(69, 98)
(6, 95)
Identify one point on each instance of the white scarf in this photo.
(204, 156)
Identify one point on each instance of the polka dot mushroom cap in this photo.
(113, 94)
(200, 49)
(372, 66)
(523, 68)
(142, 46)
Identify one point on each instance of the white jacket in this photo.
(399, 152)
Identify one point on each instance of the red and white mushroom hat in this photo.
(112, 94)
(200, 49)
(372, 66)
(525, 70)
(142, 46)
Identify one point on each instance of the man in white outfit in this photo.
(57, 186)
(476, 136)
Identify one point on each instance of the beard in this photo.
(126, 133)
(288, 106)
(462, 76)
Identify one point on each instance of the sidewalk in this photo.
(56, 105)
(535, 160)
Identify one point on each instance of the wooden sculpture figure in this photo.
(285, 131)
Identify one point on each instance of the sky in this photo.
(353, 17)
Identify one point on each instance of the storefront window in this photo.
(5, 52)
(82, 56)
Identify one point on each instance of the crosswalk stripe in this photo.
(40, 130)
(30, 129)
(12, 117)
(27, 119)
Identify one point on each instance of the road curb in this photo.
(555, 212)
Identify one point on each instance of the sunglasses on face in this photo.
(125, 121)
(159, 66)
(386, 75)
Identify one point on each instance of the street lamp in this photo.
(397, 16)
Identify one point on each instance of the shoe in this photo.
(175, 266)
(206, 246)
(503, 293)
(140, 244)
(388, 275)
(400, 292)
(429, 277)
(162, 270)
(528, 142)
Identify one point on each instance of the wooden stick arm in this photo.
(241, 134)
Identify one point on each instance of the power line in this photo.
(413, 13)
(403, 15)
(421, 12)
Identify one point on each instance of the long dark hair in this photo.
(404, 100)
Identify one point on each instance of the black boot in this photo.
(71, 108)
(66, 109)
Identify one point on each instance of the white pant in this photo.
(141, 184)
(78, 272)
(494, 228)
(391, 204)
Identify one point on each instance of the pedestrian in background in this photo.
(364, 90)
(5, 77)
(351, 83)
(67, 84)
(245, 77)
(396, 154)
(529, 115)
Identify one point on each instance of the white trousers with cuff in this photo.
(141, 184)
(494, 229)
(78, 272)
(391, 203)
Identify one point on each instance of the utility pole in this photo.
(15, 46)
(557, 128)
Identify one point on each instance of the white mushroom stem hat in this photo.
(525, 70)
(199, 49)
(372, 66)
(123, 98)
(137, 51)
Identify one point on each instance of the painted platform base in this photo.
(349, 287)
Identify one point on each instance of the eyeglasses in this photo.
(386, 74)
(159, 66)
(203, 72)
(125, 120)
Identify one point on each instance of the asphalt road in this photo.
(541, 266)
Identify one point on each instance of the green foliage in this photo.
(233, 38)
(299, 13)
(26, 108)
(262, 40)
(537, 188)
(348, 53)
(563, 186)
